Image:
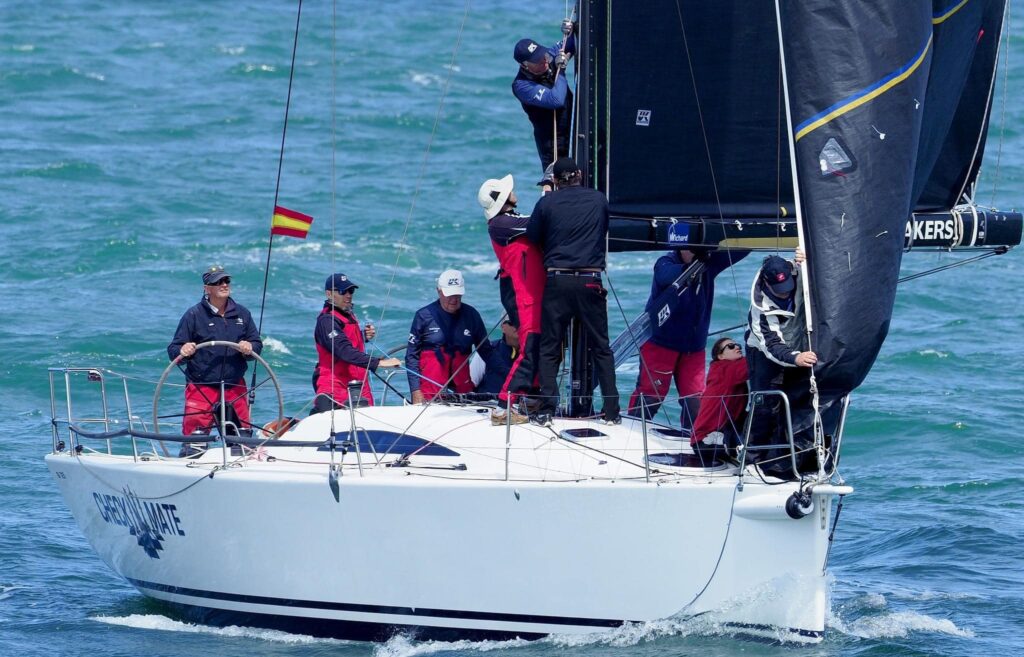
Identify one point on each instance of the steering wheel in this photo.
(284, 426)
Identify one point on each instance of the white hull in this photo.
(454, 552)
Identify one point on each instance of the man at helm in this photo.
(215, 317)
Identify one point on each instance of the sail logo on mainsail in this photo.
(643, 117)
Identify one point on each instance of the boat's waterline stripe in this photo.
(863, 96)
(379, 609)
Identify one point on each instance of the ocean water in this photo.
(140, 144)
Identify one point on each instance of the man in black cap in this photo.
(571, 226)
(776, 338)
(215, 317)
(542, 89)
(340, 348)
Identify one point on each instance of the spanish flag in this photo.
(290, 223)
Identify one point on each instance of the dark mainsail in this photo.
(683, 119)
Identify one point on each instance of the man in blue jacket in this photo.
(676, 347)
(544, 92)
(215, 317)
(442, 338)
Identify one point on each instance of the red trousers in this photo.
(199, 401)
(658, 367)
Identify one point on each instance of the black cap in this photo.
(214, 274)
(777, 274)
(340, 283)
(528, 50)
(565, 167)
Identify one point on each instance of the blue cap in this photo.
(340, 283)
(528, 50)
(214, 274)
(777, 274)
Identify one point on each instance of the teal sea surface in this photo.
(140, 144)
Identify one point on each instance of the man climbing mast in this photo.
(542, 89)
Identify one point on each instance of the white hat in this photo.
(493, 194)
(450, 282)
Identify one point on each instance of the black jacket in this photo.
(571, 225)
(215, 364)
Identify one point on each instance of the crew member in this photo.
(776, 338)
(722, 403)
(215, 317)
(442, 338)
(571, 226)
(521, 279)
(675, 349)
(340, 348)
(541, 88)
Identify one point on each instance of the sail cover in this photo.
(682, 115)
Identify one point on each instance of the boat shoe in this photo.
(498, 418)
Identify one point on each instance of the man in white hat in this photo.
(442, 337)
(521, 278)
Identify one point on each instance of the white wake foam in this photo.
(401, 645)
(900, 624)
(157, 622)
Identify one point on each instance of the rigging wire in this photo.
(1002, 108)
(277, 190)
(423, 163)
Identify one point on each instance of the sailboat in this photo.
(742, 131)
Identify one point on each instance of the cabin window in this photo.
(391, 442)
(580, 434)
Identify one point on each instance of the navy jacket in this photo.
(330, 334)
(445, 336)
(686, 329)
(498, 365)
(215, 364)
(570, 225)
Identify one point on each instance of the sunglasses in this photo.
(731, 346)
(348, 292)
(223, 281)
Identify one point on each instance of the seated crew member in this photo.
(340, 348)
(489, 375)
(776, 338)
(541, 88)
(442, 338)
(723, 402)
(215, 317)
(675, 349)
(521, 280)
(571, 226)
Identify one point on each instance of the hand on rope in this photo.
(561, 59)
(568, 27)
